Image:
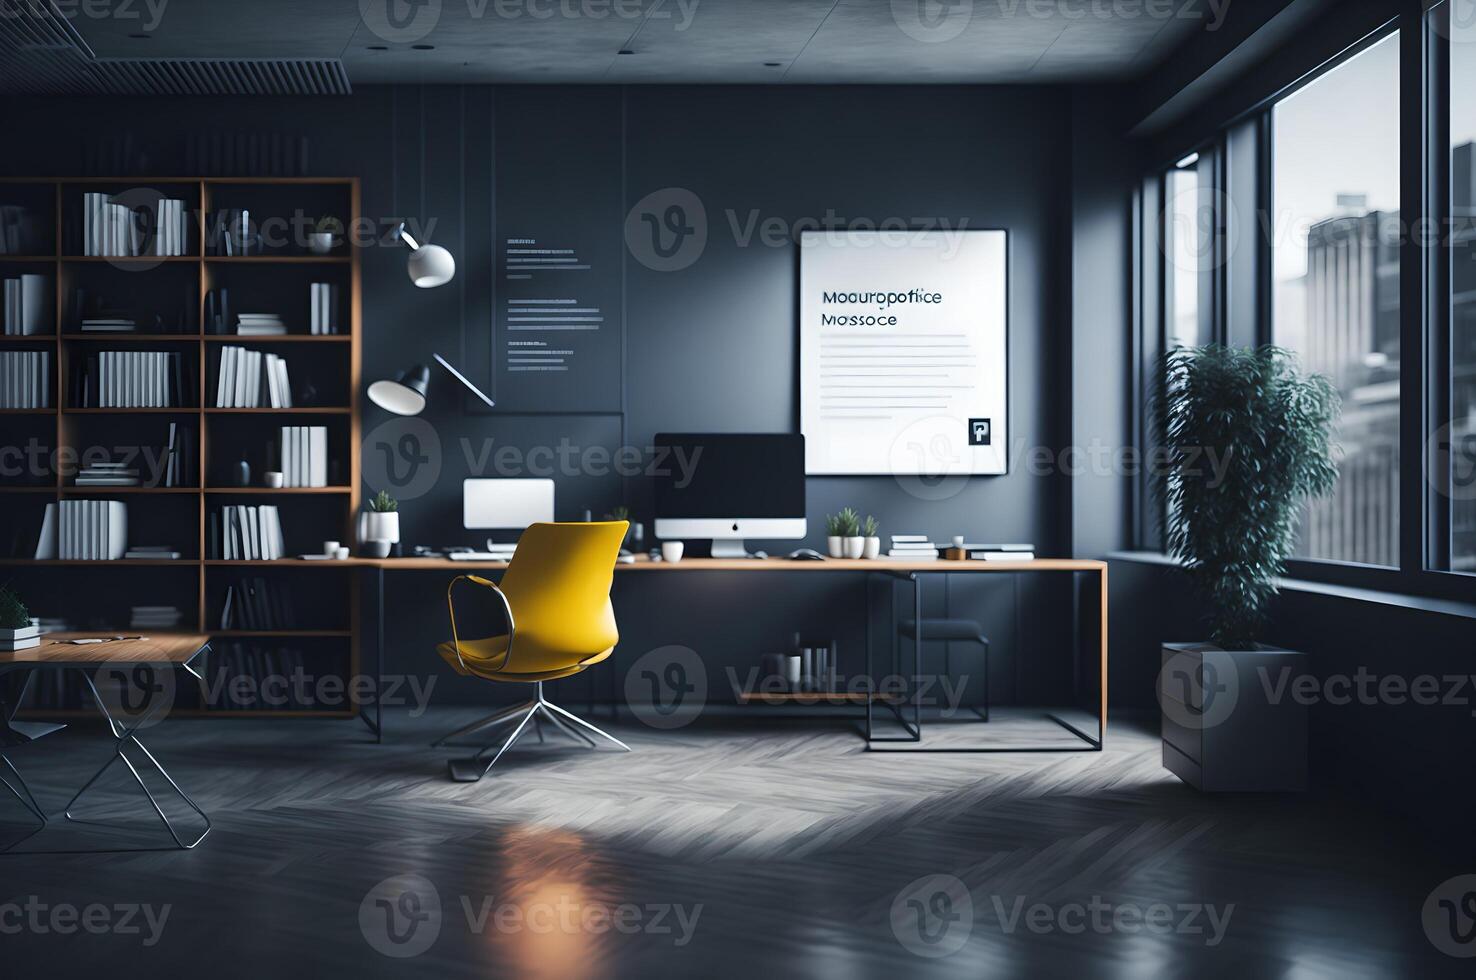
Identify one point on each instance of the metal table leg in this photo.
(129, 737)
(377, 724)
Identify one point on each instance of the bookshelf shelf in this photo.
(165, 515)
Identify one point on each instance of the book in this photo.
(1002, 555)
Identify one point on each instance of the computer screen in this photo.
(506, 504)
(730, 476)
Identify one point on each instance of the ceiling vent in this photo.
(41, 53)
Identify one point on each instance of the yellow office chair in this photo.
(556, 596)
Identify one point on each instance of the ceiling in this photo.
(669, 41)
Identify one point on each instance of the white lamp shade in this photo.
(398, 396)
(431, 265)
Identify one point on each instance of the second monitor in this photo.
(729, 487)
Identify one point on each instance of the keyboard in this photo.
(480, 555)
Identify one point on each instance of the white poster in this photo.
(903, 353)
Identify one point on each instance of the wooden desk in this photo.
(912, 571)
(163, 649)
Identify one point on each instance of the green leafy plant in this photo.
(328, 225)
(869, 527)
(619, 513)
(1246, 440)
(832, 525)
(848, 522)
(13, 613)
(383, 503)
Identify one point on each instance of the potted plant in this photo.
(633, 534)
(1246, 441)
(17, 632)
(834, 541)
(869, 527)
(382, 521)
(325, 235)
(853, 545)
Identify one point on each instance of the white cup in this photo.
(341, 553)
(672, 551)
(272, 478)
(330, 548)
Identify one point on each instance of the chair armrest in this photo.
(506, 609)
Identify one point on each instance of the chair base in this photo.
(536, 711)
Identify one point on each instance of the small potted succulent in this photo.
(17, 632)
(325, 235)
(834, 540)
(853, 545)
(382, 521)
(634, 535)
(869, 529)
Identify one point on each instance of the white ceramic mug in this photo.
(330, 548)
(672, 550)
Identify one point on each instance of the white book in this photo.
(269, 533)
(118, 542)
(284, 383)
(318, 473)
(238, 396)
(304, 456)
(223, 372)
(46, 543)
(226, 548)
(270, 370)
(289, 455)
(161, 379)
(28, 379)
(102, 529)
(1004, 555)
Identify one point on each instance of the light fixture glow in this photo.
(1187, 162)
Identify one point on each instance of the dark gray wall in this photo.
(710, 347)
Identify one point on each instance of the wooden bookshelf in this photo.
(178, 515)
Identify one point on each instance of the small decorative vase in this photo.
(243, 473)
(320, 243)
(872, 549)
(377, 526)
(835, 546)
(854, 547)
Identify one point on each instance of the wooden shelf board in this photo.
(279, 489)
(152, 338)
(278, 411)
(28, 258)
(281, 338)
(129, 411)
(73, 488)
(35, 338)
(280, 259)
(27, 411)
(102, 563)
(46, 488)
(133, 259)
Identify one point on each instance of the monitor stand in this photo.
(729, 548)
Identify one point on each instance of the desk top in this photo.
(644, 564)
(159, 648)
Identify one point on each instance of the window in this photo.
(1459, 483)
(1335, 189)
(1186, 241)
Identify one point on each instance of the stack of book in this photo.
(325, 309)
(152, 552)
(88, 530)
(109, 324)
(129, 379)
(304, 456)
(107, 475)
(240, 533)
(155, 617)
(111, 228)
(251, 605)
(25, 379)
(27, 309)
(1002, 552)
(259, 325)
(252, 379)
(913, 547)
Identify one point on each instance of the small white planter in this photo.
(320, 243)
(836, 546)
(854, 547)
(873, 548)
(26, 636)
(376, 526)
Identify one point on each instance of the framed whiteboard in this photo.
(904, 353)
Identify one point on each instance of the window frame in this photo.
(1241, 150)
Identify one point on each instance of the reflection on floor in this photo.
(751, 847)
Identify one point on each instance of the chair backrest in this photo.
(558, 585)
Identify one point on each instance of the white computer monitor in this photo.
(505, 505)
(730, 486)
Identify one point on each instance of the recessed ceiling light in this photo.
(423, 47)
(378, 47)
(773, 64)
(141, 37)
(626, 51)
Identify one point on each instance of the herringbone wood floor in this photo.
(795, 842)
